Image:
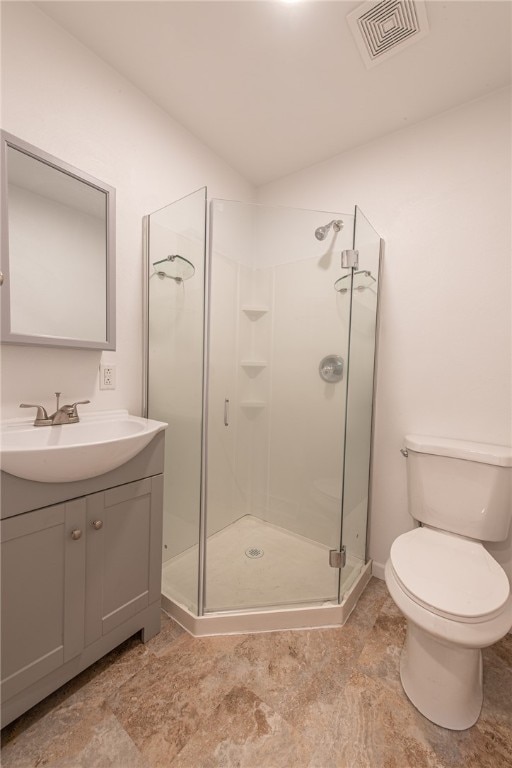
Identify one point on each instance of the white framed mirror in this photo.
(58, 251)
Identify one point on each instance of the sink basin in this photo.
(100, 442)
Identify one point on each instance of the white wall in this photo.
(439, 193)
(59, 96)
(282, 460)
(229, 448)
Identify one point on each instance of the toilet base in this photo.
(443, 681)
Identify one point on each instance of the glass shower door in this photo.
(176, 294)
(363, 326)
(278, 351)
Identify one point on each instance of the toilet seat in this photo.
(449, 575)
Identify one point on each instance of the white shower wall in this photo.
(228, 479)
(274, 314)
(227, 495)
(310, 321)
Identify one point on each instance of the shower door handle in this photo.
(226, 412)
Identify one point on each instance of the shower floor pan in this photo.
(260, 578)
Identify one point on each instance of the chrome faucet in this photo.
(65, 414)
(42, 419)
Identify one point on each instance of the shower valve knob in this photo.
(331, 368)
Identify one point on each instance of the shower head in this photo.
(321, 232)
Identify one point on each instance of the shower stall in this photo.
(260, 350)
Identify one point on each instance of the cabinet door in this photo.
(43, 596)
(123, 554)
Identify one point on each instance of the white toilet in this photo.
(455, 596)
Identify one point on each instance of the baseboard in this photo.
(378, 570)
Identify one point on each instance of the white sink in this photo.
(100, 442)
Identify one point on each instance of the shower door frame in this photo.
(316, 614)
(313, 604)
(382, 252)
(203, 512)
(146, 223)
(382, 247)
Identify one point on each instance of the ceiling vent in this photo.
(384, 28)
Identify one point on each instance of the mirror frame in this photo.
(7, 336)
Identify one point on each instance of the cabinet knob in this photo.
(76, 534)
(97, 524)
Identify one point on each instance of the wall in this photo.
(59, 96)
(282, 458)
(439, 193)
(229, 447)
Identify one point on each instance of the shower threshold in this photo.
(245, 561)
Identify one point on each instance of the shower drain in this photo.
(254, 552)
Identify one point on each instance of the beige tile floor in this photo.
(328, 698)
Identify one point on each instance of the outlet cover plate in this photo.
(107, 376)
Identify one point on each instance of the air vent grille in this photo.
(384, 28)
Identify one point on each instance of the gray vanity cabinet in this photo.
(123, 554)
(80, 574)
(43, 593)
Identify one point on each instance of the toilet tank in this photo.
(459, 486)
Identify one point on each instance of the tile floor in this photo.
(328, 698)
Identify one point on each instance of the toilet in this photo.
(455, 596)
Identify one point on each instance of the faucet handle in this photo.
(41, 419)
(74, 410)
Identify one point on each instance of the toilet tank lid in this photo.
(486, 453)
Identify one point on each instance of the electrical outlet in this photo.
(107, 376)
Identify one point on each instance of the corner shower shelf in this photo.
(254, 364)
(255, 311)
(253, 404)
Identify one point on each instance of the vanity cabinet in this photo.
(123, 565)
(78, 577)
(42, 593)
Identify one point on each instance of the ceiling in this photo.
(273, 87)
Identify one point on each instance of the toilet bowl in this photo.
(441, 663)
(455, 596)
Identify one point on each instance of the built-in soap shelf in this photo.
(253, 364)
(255, 311)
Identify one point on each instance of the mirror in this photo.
(58, 257)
